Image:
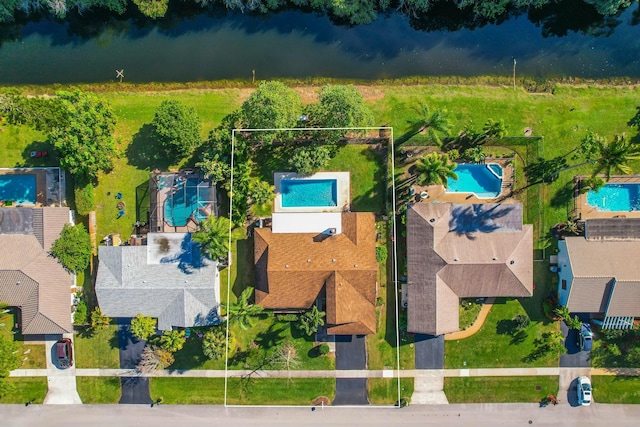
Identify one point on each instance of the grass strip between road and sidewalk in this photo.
(98, 389)
(614, 389)
(499, 389)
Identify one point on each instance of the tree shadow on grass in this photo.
(274, 158)
(145, 153)
(271, 337)
(563, 197)
(38, 160)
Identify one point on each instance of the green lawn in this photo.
(241, 391)
(612, 389)
(499, 389)
(98, 350)
(32, 389)
(98, 389)
(32, 356)
(384, 391)
(493, 347)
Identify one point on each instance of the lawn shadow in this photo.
(273, 158)
(142, 202)
(245, 267)
(272, 337)
(190, 356)
(563, 197)
(144, 151)
(86, 332)
(32, 155)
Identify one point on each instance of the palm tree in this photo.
(213, 237)
(494, 129)
(475, 154)
(433, 124)
(311, 321)
(614, 157)
(242, 310)
(435, 168)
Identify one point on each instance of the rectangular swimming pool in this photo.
(483, 180)
(298, 193)
(615, 198)
(20, 189)
(187, 202)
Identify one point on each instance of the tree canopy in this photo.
(309, 159)
(84, 138)
(242, 311)
(73, 248)
(271, 106)
(434, 168)
(177, 128)
(9, 360)
(213, 236)
(143, 327)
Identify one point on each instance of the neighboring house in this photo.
(168, 279)
(335, 263)
(463, 251)
(30, 278)
(598, 274)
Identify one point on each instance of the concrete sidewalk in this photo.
(406, 373)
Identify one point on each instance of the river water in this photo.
(219, 45)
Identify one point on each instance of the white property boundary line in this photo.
(394, 264)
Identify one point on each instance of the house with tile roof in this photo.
(167, 279)
(597, 272)
(463, 251)
(30, 279)
(328, 257)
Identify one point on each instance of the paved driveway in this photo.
(574, 357)
(351, 353)
(134, 389)
(61, 383)
(429, 351)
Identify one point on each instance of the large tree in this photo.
(434, 168)
(271, 106)
(309, 159)
(338, 107)
(242, 311)
(73, 248)
(177, 128)
(84, 138)
(615, 156)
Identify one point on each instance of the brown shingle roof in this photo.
(603, 258)
(43, 292)
(457, 251)
(590, 294)
(625, 299)
(293, 268)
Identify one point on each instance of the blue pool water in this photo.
(298, 193)
(615, 198)
(184, 204)
(20, 189)
(477, 179)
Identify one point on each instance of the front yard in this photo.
(499, 389)
(97, 349)
(32, 356)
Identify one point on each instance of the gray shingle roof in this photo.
(167, 279)
(457, 251)
(29, 277)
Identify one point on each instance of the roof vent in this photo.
(18, 283)
(494, 258)
(332, 231)
(512, 262)
(432, 220)
(456, 259)
(333, 260)
(355, 265)
(286, 266)
(308, 259)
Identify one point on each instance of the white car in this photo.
(584, 391)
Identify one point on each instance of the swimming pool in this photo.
(485, 181)
(18, 188)
(184, 203)
(309, 192)
(615, 198)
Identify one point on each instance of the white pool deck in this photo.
(343, 192)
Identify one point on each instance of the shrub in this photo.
(379, 301)
(84, 195)
(73, 248)
(521, 321)
(323, 349)
(80, 315)
(310, 159)
(143, 327)
(381, 253)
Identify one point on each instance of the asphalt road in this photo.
(351, 353)
(469, 415)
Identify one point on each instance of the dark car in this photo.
(585, 337)
(64, 353)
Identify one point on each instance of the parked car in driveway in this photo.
(64, 353)
(585, 337)
(584, 391)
